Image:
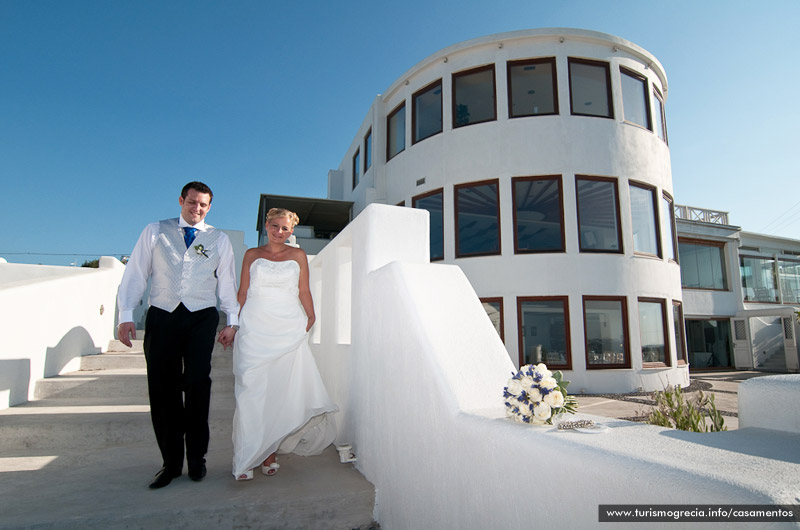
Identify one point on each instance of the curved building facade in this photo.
(543, 159)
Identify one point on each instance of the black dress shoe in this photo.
(198, 472)
(163, 478)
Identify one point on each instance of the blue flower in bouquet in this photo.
(535, 395)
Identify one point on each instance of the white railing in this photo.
(704, 215)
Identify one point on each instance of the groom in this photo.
(189, 262)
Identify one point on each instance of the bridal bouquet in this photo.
(535, 395)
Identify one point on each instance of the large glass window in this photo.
(396, 132)
(677, 324)
(653, 332)
(702, 265)
(532, 89)
(544, 332)
(474, 96)
(709, 343)
(635, 104)
(434, 203)
(660, 115)
(477, 208)
(598, 214)
(494, 309)
(789, 274)
(590, 88)
(668, 227)
(644, 220)
(538, 214)
(368, 150)
(427, 112)
(356, 167)
(605, 322)
(758, 279)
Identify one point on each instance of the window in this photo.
(635, 104)
(590, 88)
(709, 343)
(538, 214)
(677, 324)
(544, 331)
(532, 89)
(660, 115)
(434, 203)
(668, 227)
(758, 279)
(789, 274)
(644, 220)
(356, 167)
(605, 322)
(396, 132)
(368, 150)
(474, 96)
(598, 214)
(702, 265)
(427, 112)
(653, 332)
(477, 208)
(494, 309)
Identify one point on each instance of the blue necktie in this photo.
(189, 233)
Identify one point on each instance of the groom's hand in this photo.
(125, 332)
(226, 337)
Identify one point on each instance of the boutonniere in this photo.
(200, 249)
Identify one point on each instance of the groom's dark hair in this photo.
(198, 186)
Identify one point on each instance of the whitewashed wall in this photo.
(50, 317)
(409, 355)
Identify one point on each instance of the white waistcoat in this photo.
(184, 275)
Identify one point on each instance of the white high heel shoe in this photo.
(270, 469)
(246, 476)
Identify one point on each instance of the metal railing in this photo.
(704, 215)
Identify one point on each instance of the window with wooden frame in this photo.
(368, 150)
(669, 234)
(433, 201)
(660, 116)
(590, 88)
(396, 131)
(598, 214)
(356, 167)
(653, 333)
(635, 100)
(494, 309)
(703, 264)
(644, 219)
(427, 112)
(474, 96)
(477, 216)
(543, 328)
(538, 214)
(532, 87)
(678, 326)
(605, 325)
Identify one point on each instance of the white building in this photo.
(740, 291)
(543, 160)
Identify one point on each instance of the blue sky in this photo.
(108, 107)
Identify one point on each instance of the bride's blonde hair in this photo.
(274, 213)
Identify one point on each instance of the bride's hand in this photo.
(311, 321)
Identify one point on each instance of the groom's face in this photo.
(194, 206)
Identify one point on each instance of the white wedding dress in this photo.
(281, 402)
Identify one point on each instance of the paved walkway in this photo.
(723, 385)
(81, 456)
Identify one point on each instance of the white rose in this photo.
(526, 382)
(555, 399)
(515, 387)
(541, 411)
(542, 369)
(534, 396)
(548, 383)
(536, 421)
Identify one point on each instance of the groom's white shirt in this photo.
(140, 268)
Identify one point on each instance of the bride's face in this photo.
(279, 229)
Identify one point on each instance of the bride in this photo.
(281, 402)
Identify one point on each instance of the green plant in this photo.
(698, 414)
